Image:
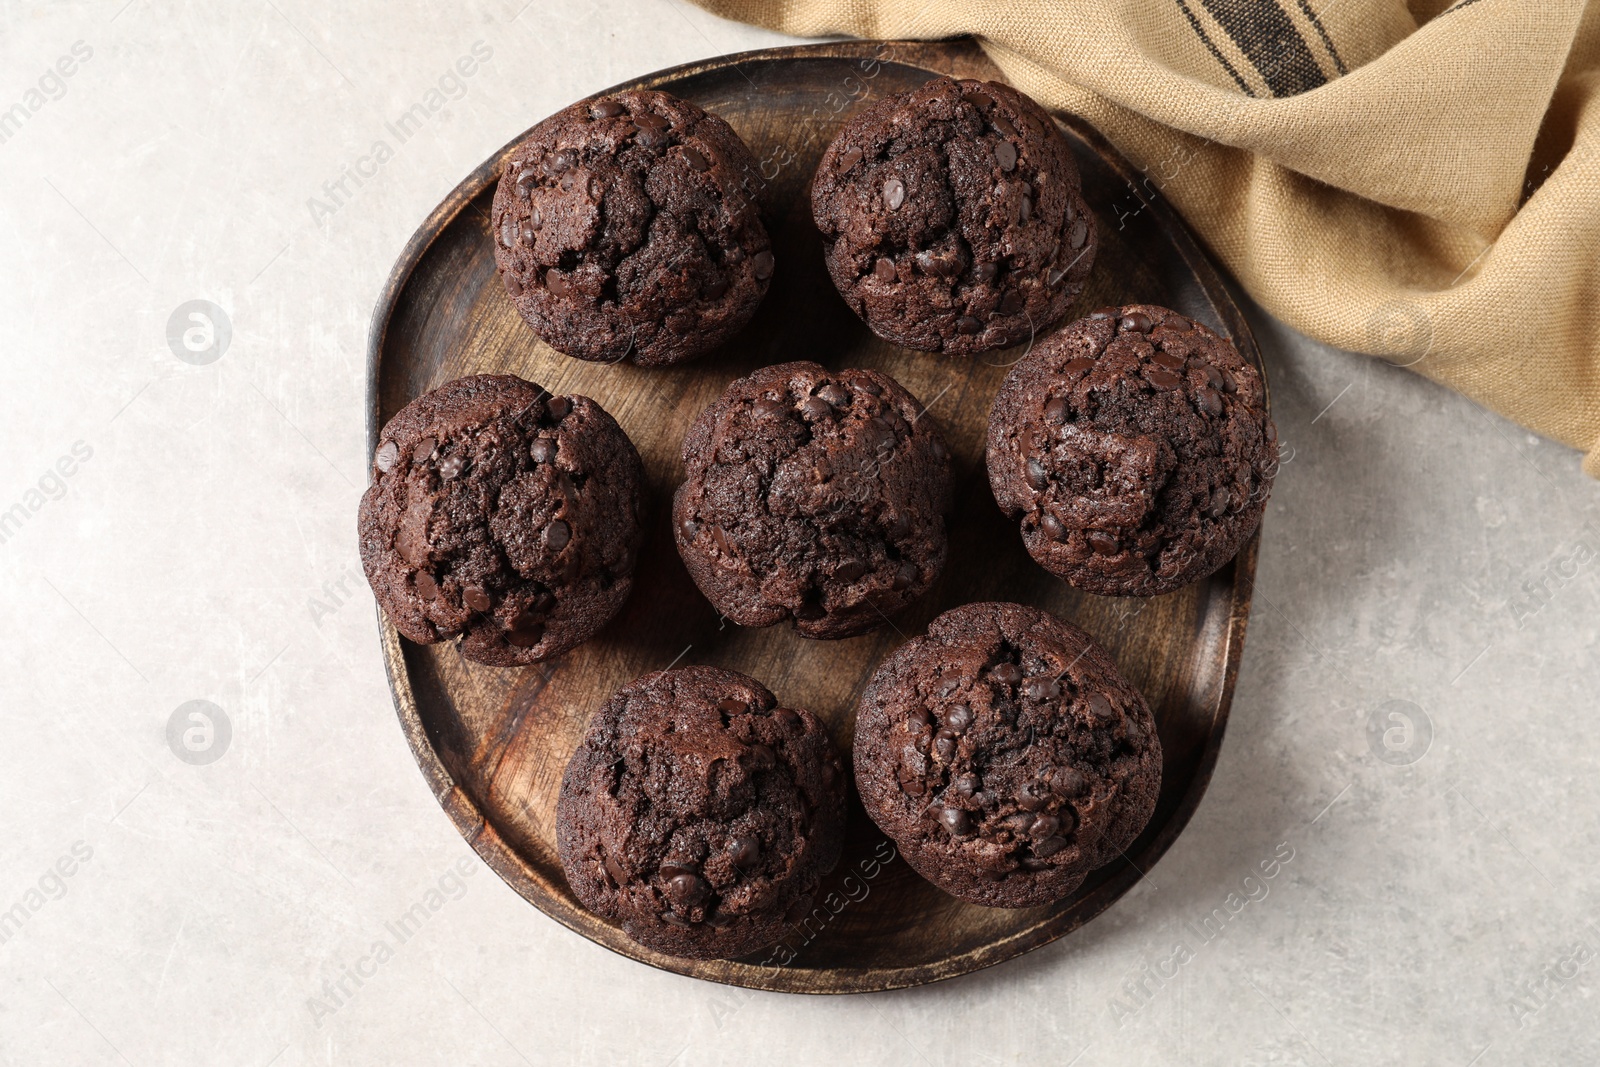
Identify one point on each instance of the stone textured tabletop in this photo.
(1397, 860)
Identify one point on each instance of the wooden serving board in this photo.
(493, 743)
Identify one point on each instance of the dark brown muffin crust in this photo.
(1135, 448)
(1005, 755)
(629, 228)
(813, 495)
(952, 219)
(504, 515)
(699, 814)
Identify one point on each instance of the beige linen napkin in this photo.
(1419, 181)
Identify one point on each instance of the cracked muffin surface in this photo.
(813, 495)
(1134, 449)
(952, 218)
(1005, 755)
(699, 814)
(629, 228)
(503, 515)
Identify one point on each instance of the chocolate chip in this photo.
(1005, 153)
(1038, 477)
(1101, 708)
(1068, 782)
(1272, 432)
(1219, 503)
(508, 230)
(956, 821)
(452, 465)
(695, 160)
(513, 286)
(1049, 846)
(1012, 302)
(1100, 316)
(787, 718)
(919, 718)
(673, 919)
(427, 588)
(899, 528)
(745, 850)
(836, 395)
(944, 746)
(1053, 527)
(716, 287)
(525, 183)
(966, 785)
(905, 576)
(911, 782)
(1055, 412)
(978, 98)
(606, 109)
(1135, 322)
(689, 528)
(543, 450)
(949, 682)
(866, 385)
(1003, 124)
(386, 456)
(850, 158)
(884, 270)
(1077, 366)
(1006, 673)
(558, 408)
(556, 535)
(1043, 687)
(1169, 360)
(766, 407)
(651, 136)
(526, 631)
(651, 120)
(1018, 824)
(557, 284)
(984, 273)
(1025, 209)
(688, 890)
(967, 325)
(1045, 826)
(1162, 378)
(1029, 798)
(1229, 385)
(816, 408)
(672, 867)
(720, 538)
(894, 193)
(1079, 234)
(476, 599)
(423, 450)
(850, 570)
(941, 262)
(1209, 401)
(614, 869)
(763, 264)
(958, 719)
(1102, 543)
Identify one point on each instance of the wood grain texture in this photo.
(493, 743)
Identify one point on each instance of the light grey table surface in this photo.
(1414, 726)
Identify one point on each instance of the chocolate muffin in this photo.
(699, 814)
(952, 218)
(502, 514)
(1135, 448)
(1005, 755)
(813, 495)
(629, 228)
